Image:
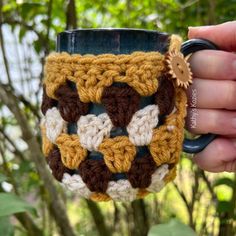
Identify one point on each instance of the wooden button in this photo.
(179, 69)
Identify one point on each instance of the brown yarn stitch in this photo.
(120, 103)
(47, 102)
(95, 174)
(56, 165)
(140, 173)
(165, 96)
(69, 104)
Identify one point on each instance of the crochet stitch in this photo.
(54, 124)
(93, 129)
(141, 126)
(127, 149)
(120, 103)
(69, 104)
(139, 70)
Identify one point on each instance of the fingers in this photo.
(213, 94)
(213, 64)
(223, 35)
(202, 121)
(218, 156)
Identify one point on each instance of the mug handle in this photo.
(188, 47)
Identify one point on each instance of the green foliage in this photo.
(225, 206)
(172, 228)
(224, 181)
(6, 227)
(2, 178)
(11, 204)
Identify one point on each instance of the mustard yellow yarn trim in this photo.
(100, 197)
(167, 139)
(47, 146)
(175, 43)
(118, 153)
(142, 193)
(92, 74)
(72, 154)
(170, 175)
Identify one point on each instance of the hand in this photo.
(212, 97)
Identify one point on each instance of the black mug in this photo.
(126, 41)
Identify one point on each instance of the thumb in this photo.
(223, 35)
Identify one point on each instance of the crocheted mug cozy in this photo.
(127, 150)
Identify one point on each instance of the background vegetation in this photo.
(31, 202)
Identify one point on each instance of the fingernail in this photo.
(199, 27)
(191, 28)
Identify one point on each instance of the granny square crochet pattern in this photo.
(100, 138)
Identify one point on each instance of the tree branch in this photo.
(29, 105)
(16, 151)
(141, 224)
(71, 18)
(49, 20)
(58, 208)
(98, 218)
(182, 195)
(208, 184)
(3, 48)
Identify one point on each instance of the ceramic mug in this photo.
(125, 41)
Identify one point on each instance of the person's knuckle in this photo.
(230, 166)
(211, 121)
(230, 94)
(233, 166)
(233, 38)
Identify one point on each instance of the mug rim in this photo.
(111, 40)
(110, 29)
